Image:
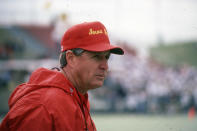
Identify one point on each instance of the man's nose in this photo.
(104, 65)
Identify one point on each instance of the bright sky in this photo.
(139, 22)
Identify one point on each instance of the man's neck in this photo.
(74, 81)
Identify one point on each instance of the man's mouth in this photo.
(101, 76)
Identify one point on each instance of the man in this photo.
(58, 100)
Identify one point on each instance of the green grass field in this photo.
(129, 122)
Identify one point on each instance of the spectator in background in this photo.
(58, 100)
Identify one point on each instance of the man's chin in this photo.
(97, 85)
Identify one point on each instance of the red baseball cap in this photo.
(90, 36)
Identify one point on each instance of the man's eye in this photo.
(107, 57)
(97, 57)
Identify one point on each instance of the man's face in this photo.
(91, 69)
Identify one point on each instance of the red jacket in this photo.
(48, 102)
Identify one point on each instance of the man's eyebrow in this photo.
(95, 53)
(99, 53)
(102, 53)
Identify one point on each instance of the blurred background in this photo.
(153, 86)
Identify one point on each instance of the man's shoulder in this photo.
(55, 97)
(54, 93)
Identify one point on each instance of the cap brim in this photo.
(104, 47)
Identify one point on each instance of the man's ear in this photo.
(70, 58)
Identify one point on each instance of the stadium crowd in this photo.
(142, 85)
